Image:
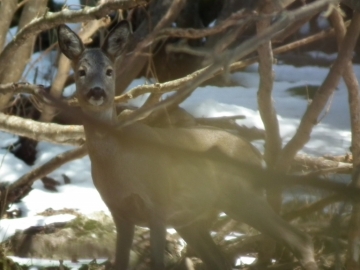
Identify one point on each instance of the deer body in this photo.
(177, 178)
(155, 177)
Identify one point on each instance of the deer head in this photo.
(94, 69)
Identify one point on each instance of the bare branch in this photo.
(29, 178)
(312, 113)
(265, 102)
(169, 17)
(305, 41)
(176, 84)
(54, 133)
(269, 118)
(228, 57)
(316, 206)
(133, 62)
(220, 46)
(191, 33)
(343, 158)
(243, 50)
(321, 165)
(19, 88)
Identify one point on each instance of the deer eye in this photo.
(109, 72)
(81, 73)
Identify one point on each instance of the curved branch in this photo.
(53, 133)
(20, 88)
(18, 189)
(48, 167)
(159, 88)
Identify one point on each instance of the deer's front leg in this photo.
(125, 235)
(157, 241)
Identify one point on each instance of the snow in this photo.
(68, 2)
(11, 225)
(55, 263)
(331, 136)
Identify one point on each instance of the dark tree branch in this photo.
(11, 194)
(354, 4)
(192, 33)
(164, 12)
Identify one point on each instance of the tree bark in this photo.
(7, 11)
(18, 62)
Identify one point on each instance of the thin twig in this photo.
(302, 42)
(191, 33)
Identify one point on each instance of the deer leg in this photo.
(125, 234)
(198, 237)
(157, 241)
(255, 211)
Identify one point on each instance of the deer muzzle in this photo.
(96, 96)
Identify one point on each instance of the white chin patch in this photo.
(96, 102)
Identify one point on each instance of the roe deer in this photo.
(144, 184)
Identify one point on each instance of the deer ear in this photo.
(116, 40)
(69, 42)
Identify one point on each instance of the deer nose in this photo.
(96, 93)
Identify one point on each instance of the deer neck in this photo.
(107, 116)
